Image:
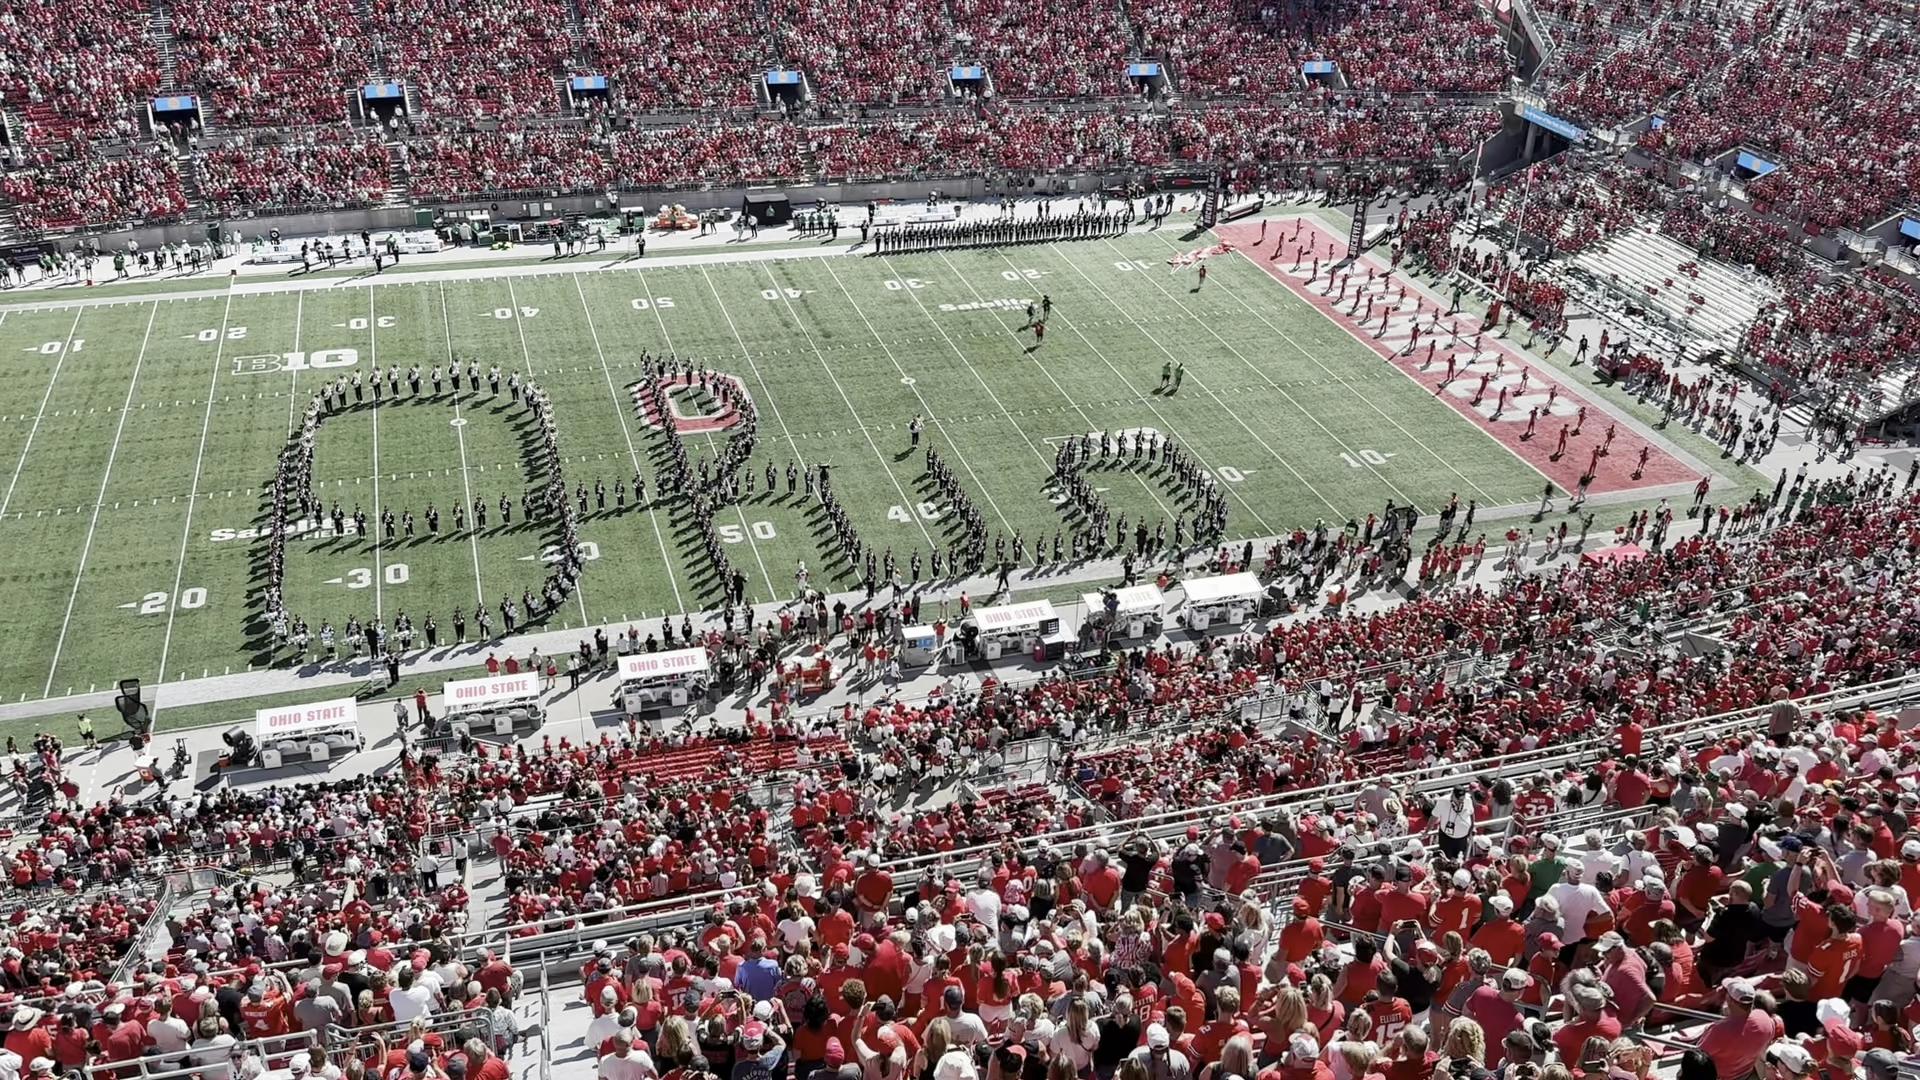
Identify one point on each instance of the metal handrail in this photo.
(536, 939)
(267, 1048)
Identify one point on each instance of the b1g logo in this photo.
(295, 361)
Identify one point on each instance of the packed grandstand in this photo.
(1594, 818)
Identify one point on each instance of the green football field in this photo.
(137, 437)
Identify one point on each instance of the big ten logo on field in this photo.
(694, 409)
(271, 363)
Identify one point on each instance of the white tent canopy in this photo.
(1224, 589)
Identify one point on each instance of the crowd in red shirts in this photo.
(1733, 237)
(77, 71)
(1583, 30)
(65, 194)
(237, 55)
(446, 164)
(469, 61)
(1829, 334)
(1336, 127)
(1102, 952)
(881, 52)
(1239, 51)
(1819, 106)
(348, 172)
(1570, 206)
(708, 63)
(1045, 52)
(1446, 46)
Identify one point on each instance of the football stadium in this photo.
(637, 539)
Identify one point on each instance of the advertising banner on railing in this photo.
(473, 693)
(1542, 118)
(288, 720)
(655, 664)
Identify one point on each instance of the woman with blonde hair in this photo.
(1131, 943)
(1627, 1056)
(1351, 1060)
(676, 1045)
(1258, 928)
(1074, 1041)
(1285, 1014)
(1352, 1048)
(1236, 1059)
(1466, 1041)
(1324, 1012)
(934, 1044)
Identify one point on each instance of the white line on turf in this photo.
(1224, 407)
(1284, 463)
(747, 355)
(928, 409)
(66, 348)
(1355, 391)
(1166, 425)
(293, 388)
(520, 324)
(633, 452)
(199, 459)
(86, 548)
(379, 571)
(712, 443)
(460, 435)
(885, 466)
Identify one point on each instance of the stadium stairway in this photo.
(577, 34)
(1645, 267)
(695, 759)
(160, 30)
(399, 180)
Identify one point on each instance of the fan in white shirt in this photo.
(626, 1063)
(1577, 901)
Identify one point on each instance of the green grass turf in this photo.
(839, 353)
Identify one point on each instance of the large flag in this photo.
(1182, 261)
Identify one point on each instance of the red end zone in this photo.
(1479, 377)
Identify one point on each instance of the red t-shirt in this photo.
(1571, 1038)
(1396, 905)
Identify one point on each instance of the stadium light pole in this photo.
(1519, 223)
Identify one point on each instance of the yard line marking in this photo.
(199, 459)
(1284, 463)
(885, 466)
(99, 500)
(711, 441)
(519, 324)
(379, 571)
(1275, 454)
(929, 410)
(460, 434)
(293, 389)
(1084, 417)
(35, 429)
(633, 452)
(1303, 351)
